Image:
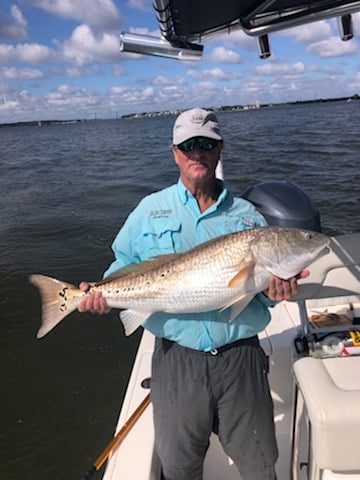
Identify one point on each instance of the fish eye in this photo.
(308, 236)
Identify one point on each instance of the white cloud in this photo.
(145, 31)
(98, 14)
(8, 106)
(239, 38)
(119, 71)
(223, 55)
(139, 5)
(285, 69)
(14, 27)
(214, 73)
(13, 73)
(132, 95)
(332, 47)
(169, 95)
(33, 53)
(311, 32)
(73, 100)
(21, 106)
(65, 102)
(167, 81)
(356, 23)
(84, 47)
(77, 71)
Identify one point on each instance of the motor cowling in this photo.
(284, 204)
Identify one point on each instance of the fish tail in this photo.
(59, 299)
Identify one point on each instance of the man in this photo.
(208, 374)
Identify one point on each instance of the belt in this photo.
(252, 341)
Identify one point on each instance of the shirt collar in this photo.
(185, 194)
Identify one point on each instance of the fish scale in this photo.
(226, 272)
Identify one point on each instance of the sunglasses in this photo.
(203, 143)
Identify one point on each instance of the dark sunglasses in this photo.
(203, 142)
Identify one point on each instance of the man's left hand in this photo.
(280, 289)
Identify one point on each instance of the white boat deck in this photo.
(135, 458)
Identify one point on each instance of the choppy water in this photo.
(65, 190)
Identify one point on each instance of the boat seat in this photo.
(330, 388)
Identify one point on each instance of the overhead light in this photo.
(346, 27)
(264, 46)
(147, 45)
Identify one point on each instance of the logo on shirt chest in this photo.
(160, 213)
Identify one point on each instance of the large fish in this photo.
(225, 272)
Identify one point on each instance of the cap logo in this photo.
(197, 118)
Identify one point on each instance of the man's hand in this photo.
(94, 302)
(280, 289)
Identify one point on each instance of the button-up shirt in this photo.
(170, 221)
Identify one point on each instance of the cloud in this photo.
(84, 47)
(223, 55)
(139, 5)
(170, 95)
(65, 102)
(33, 53)
(119, 71)
(13, 73)
(285, 69)
(239, 38)
(310, 33)
(145, 31)
(8, 106)
(70, 96)
(97, 14)
(133, 96)
(214, 73)
(167, 81)
(21, 106)
(74, 71)
(332, 47)
(14, 27)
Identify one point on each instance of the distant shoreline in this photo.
(224, 108)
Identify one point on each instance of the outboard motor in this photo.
(284, 204)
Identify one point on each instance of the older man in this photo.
(208, 374)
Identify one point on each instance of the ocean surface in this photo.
(65, 191)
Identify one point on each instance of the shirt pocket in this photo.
(158, 237)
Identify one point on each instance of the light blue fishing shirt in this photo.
(170, 221)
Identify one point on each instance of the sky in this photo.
(60, 60)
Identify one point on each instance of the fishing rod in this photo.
(119, 437)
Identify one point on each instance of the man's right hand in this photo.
(93, 302)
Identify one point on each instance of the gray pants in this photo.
(194, 393)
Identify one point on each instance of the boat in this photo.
(313, 341)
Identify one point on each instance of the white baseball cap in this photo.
(196, 122)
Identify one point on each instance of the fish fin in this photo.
(238, 304)
(132, 319)
(246, 269)
(59, 299)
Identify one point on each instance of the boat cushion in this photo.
(331, 391)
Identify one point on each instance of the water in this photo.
(65, 191)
